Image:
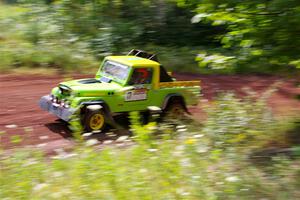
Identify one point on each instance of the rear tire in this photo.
(175, 110)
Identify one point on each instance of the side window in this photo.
(141, 76)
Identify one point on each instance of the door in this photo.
(140, 84)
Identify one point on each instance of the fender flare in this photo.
(99, 102)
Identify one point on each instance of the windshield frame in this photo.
(101, 73)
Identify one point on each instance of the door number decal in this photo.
(136, 95)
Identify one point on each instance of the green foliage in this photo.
(33, 38)
(259, 34)
(75, 124)
(143, 133)
(248, 36)
(237, 121)
(192, 164)
(71, 34)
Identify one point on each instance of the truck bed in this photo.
(179, 84)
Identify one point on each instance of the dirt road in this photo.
(21, 116)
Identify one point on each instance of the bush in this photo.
(238, 121)
(163, 162)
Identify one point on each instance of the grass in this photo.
(189, 161)
(7, 11)
(184, 167)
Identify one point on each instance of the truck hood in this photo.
(89, 87)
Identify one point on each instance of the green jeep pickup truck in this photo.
(135, 82)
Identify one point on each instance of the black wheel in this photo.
(94, 120)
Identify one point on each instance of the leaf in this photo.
(197, 18)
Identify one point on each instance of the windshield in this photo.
(115, 70)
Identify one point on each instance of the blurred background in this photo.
(242, 141)
(227, 36)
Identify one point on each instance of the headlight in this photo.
(66, 104)
(62, 103)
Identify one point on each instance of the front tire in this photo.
(94, 120)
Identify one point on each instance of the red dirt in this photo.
(21, 115)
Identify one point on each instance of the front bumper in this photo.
(61, 112)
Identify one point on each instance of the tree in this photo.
(261, 33)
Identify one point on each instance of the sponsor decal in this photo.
(136, 95)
